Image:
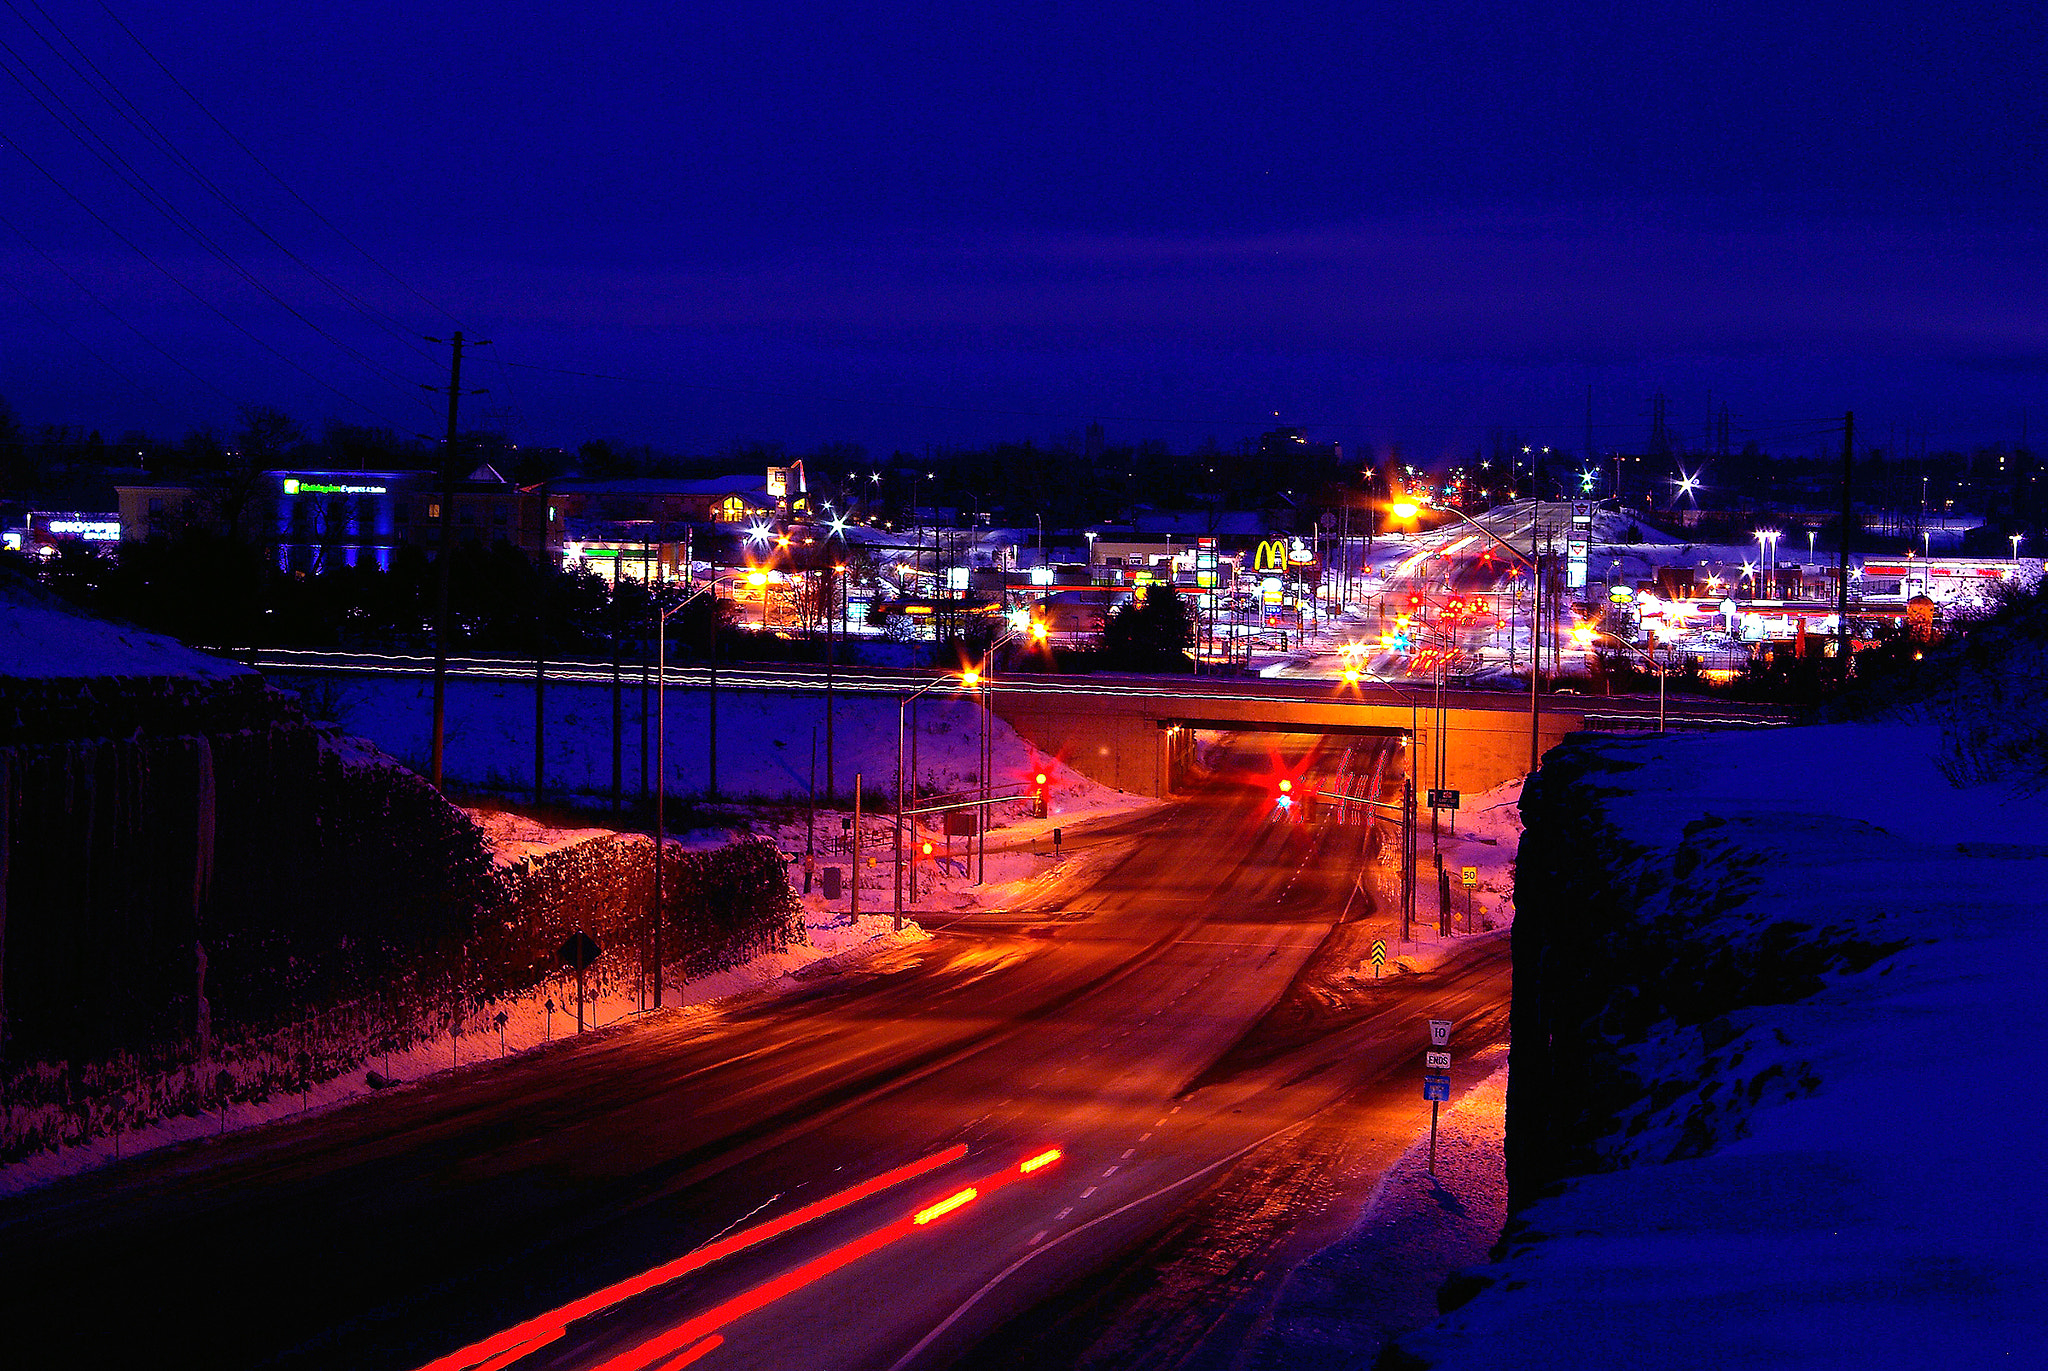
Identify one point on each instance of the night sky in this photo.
(902, 224)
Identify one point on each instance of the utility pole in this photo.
(447, 551)
(1535, 640)
(1842, 566)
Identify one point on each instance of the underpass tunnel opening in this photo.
(1308, 773)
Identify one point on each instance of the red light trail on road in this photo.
(504, 1348)
(650, 1354)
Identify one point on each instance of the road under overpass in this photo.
(1140, 739)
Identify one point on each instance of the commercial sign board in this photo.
(1271, 556)
(295, 486)
(91, 530)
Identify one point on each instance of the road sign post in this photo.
(1379, 956)
(1436, 1080)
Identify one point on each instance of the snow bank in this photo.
(1751, 1121)
(41, 637)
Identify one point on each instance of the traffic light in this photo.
(1038, 806)
(1283, 798)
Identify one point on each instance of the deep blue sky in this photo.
(899, 224)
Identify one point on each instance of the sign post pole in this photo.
(1436, 1083)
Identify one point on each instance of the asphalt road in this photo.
(783, 1182)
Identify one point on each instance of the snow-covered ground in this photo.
(521, 1023)
(489, 733)
(42, 637)
(764, 738)
(1419, 1226)
(1844, 1180)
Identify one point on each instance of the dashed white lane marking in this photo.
(1089, 1191)
(1130, 1152)
(1147, 1136)
(1107, 1174)
(1036, 1238)
(1063, 1213)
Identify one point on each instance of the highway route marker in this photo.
(1436, 1082)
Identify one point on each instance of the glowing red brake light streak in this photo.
(648, 1354)
(945, 1206)
(1045, 1158)
(490, 1354)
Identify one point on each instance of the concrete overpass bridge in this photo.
(1137, 733)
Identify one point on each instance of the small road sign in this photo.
(1379, 952)
(1437, 1061)
(1436, 1088)
(1443, 799)
(1439, 1032)
(1471, 875)
(579, 951)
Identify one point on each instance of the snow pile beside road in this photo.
(514, 838)
(1783, 1139)
(1381, 1279)
(524, 1022)
(43, 638)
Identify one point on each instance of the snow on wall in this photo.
(1752, 1120)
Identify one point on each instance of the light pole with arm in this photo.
(1584, 635)
(902, 706)
(1410, 509)
(661, 761)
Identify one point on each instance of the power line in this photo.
(181, 284)
(247, 151)
(126, 172)
(88, 349)
(93, 295)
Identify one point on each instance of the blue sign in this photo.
(1436, 1087)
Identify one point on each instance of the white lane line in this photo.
(1144, 1137)
(1130, 1152)
(1014, 1267)
(1107, 1174)
(1063, 1213)
(1036, 1238)
(1089, 1191)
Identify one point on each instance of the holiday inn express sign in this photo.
(294, 486)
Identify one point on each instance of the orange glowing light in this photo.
(1045, 1158)
(1404, 509)
(946, 1206)
(970, 678)
(757, 579)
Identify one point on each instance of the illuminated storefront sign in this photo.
(92, 530)
(1271, 556)
(294, 486)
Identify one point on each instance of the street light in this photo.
(902, 707)
(1584, 635)
(2017, 538)
(661, 753)
(1408, 509)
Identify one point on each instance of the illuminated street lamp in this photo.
(969, 679)
(1408, 509)
(2017, 538)
(1584, 635)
